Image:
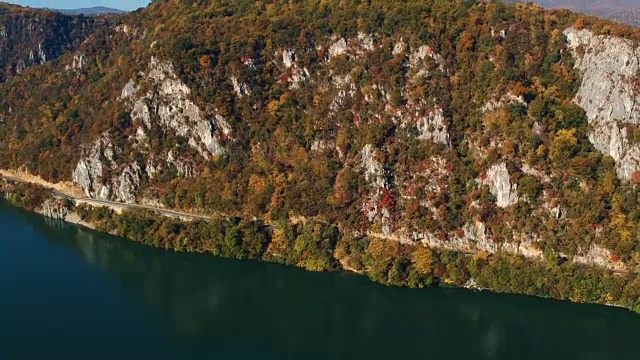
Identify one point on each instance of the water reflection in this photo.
(221, 307)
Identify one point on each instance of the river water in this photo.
(72, 293)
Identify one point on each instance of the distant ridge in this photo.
(97, 10)
(622, 11)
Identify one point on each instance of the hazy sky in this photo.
(75, 4)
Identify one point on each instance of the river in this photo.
(72, 293)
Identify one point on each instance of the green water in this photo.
(71, 293)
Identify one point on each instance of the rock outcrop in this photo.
(292, 73)
(609, 93)
(422, 53)
(129, 90)
(339, 47)
(374, 206)
(499, 181)
(240, 89)
(597, 255)
(78, 62)
(472, 237)
(92, 173)
(128, 183)
(373, 170)
(506, 99)
(104, 172)
(169, 104)
(366, 41)
(55, 209)
(90, 170)
(433, 126)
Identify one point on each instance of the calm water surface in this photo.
(71, 293)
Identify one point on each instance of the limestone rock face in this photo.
(105, 172)
(506, 99)
(597, 255)
(373, 170)
(288, 58)
(433, 127)
(338, 48)
(129, 90)
(422, 53)
(54, 209)
(240, 89)
(293, 74)
(608, 93)
(169, 104)
(183, 168)
(128, 183)
(473, 237)
(90, 169)
(372, 206)
(366, 41)
(78, 63)
(499, 181)
(398, 48)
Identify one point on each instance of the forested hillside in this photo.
(479, 128)
(32, 37)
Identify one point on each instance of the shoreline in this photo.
(75, 219)
(147, 235)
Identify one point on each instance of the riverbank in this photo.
(317, 246)
(75, 219)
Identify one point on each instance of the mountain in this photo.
(589, 4)
(455, 143)
(31, 37)
(625, 16)
(97, 10)
(623, 11)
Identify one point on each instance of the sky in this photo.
(76, 4)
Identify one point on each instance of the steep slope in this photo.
(474, 127)
(33, 37)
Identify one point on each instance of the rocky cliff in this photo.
(165, 107)
(55, 209)
(609, 94)
(31, 37)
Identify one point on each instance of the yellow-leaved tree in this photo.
(563, 145)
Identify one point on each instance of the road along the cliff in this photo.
(119, 207)
(115, 206)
